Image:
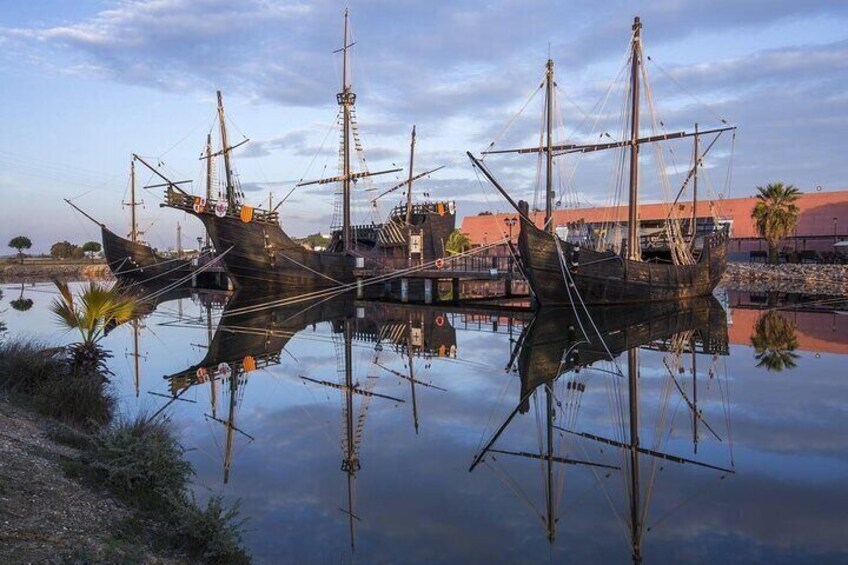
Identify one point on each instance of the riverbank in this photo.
(79, 485)
(45, 271)
(47, 517)
(792, 278)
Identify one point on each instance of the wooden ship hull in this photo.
(259, 253)
(137, 263)
(609, 278)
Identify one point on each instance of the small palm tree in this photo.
(775, 342)
(457, 242)
(90, 313)
(775, 215)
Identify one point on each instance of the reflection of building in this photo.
(817, 332)
(824, 220)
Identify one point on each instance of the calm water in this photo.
(337, 456)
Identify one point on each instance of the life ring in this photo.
(440, 263)
(440, 320)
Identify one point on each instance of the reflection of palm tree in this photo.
(775, 342)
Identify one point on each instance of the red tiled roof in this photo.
(818, 211)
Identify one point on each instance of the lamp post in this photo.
(509, 223)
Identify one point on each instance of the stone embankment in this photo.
(44, 272)
(807, 279)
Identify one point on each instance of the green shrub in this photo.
(142, 462)
(212, 535)
(78, 400)
(24, 365)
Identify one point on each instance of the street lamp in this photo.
(509, 223)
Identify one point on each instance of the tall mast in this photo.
(208, 174)
(133, 222)
(694, 229)
(633, 248)
(346, 99)
(225, 149)
(549, 154)
(632, 378)
(409, 187)
(179, 248)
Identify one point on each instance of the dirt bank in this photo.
(11, 273)
(46, 517)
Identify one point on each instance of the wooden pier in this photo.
(467, 277)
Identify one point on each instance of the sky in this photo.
(85, 84)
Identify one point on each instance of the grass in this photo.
(42, 378)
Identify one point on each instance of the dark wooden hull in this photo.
(138, 263)
(607, 278)
(553, 343)
(260, 254)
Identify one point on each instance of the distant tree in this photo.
(775, 342)
(64, 250)
(90, 248)
(485, 213)
(457, 242)
(775, 215)
(20, 243)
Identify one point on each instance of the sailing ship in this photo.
(554, 348)
(130, 258)
(258, 252)
(588, 268)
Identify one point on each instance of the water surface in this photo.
(742, 460)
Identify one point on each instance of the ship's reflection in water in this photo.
(667, 433)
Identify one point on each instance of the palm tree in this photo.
(457, 242)
(775, 215)
(94, 309)
(775, 342)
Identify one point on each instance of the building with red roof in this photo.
(823, 221)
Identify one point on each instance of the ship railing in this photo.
(494, 264)
(191, 203)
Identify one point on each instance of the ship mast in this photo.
(134, 233)
(411, 178)
(346, 99)
(633, 248)
(225, 149)
(549, 154)
(694, 229)
(208, 174)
